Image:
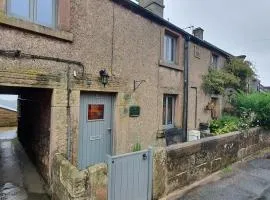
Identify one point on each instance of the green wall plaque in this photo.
(134, 111)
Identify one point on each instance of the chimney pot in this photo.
(198, 33)
(154, 6)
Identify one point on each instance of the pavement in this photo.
(246, 181)
(19, 179)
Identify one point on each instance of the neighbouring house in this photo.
(265, 88)
(8, 116)
(95, 78)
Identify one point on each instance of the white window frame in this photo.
(32, 17)
(170, 48)
(166, 125)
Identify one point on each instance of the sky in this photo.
(240, 27)
(8, 97)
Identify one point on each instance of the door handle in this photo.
(144, 156)
(109, 129)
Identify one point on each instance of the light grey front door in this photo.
(95, 128)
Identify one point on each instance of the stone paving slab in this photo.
(248, 181)
(19, 180)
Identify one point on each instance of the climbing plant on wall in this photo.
(235, 74)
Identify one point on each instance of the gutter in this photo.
(196, 105)
(186, 85)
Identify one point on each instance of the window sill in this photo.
(163, 63)
(35, 28)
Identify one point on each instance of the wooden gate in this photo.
(130, 176)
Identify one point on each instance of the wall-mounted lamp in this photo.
(104, 77)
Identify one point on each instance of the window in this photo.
(41, 12)
(168, 111)
(95, 112)
(214, 60)
(197, 52)
(170, 43)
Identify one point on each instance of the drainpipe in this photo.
(69, 134)
(186, 74)
(196, 105)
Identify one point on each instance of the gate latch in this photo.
(144, 156)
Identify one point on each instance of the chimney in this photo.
(198, 33)
(154, 6)
(241, 57)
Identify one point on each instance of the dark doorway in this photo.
(24, 148)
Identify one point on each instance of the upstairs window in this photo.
(214, 60)
(41, 12)
(170, 48)
(168, 111)
(197, 51)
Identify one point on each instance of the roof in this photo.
(159, 20)
(8, 108)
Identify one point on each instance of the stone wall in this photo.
(182, 164)
(34, 117)
(68, 183)
(8, 118)
(100, 35)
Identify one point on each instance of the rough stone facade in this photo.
(8, 118)
(68, 183)
(180, 165)
(100, 35)
(199, 66)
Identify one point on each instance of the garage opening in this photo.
(25, 115)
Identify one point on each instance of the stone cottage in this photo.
(97, 77)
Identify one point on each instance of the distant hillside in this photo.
(9, 103)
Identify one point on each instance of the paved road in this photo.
(19, 179)
(249, 181)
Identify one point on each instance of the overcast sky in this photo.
(237, 26)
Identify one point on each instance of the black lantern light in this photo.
(104, 77)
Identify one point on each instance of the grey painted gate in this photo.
(95, 141)
(130, 176)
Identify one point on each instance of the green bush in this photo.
(235, 74)
(256, 107)
(216, 81)
(137, 147)
(225, 124)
